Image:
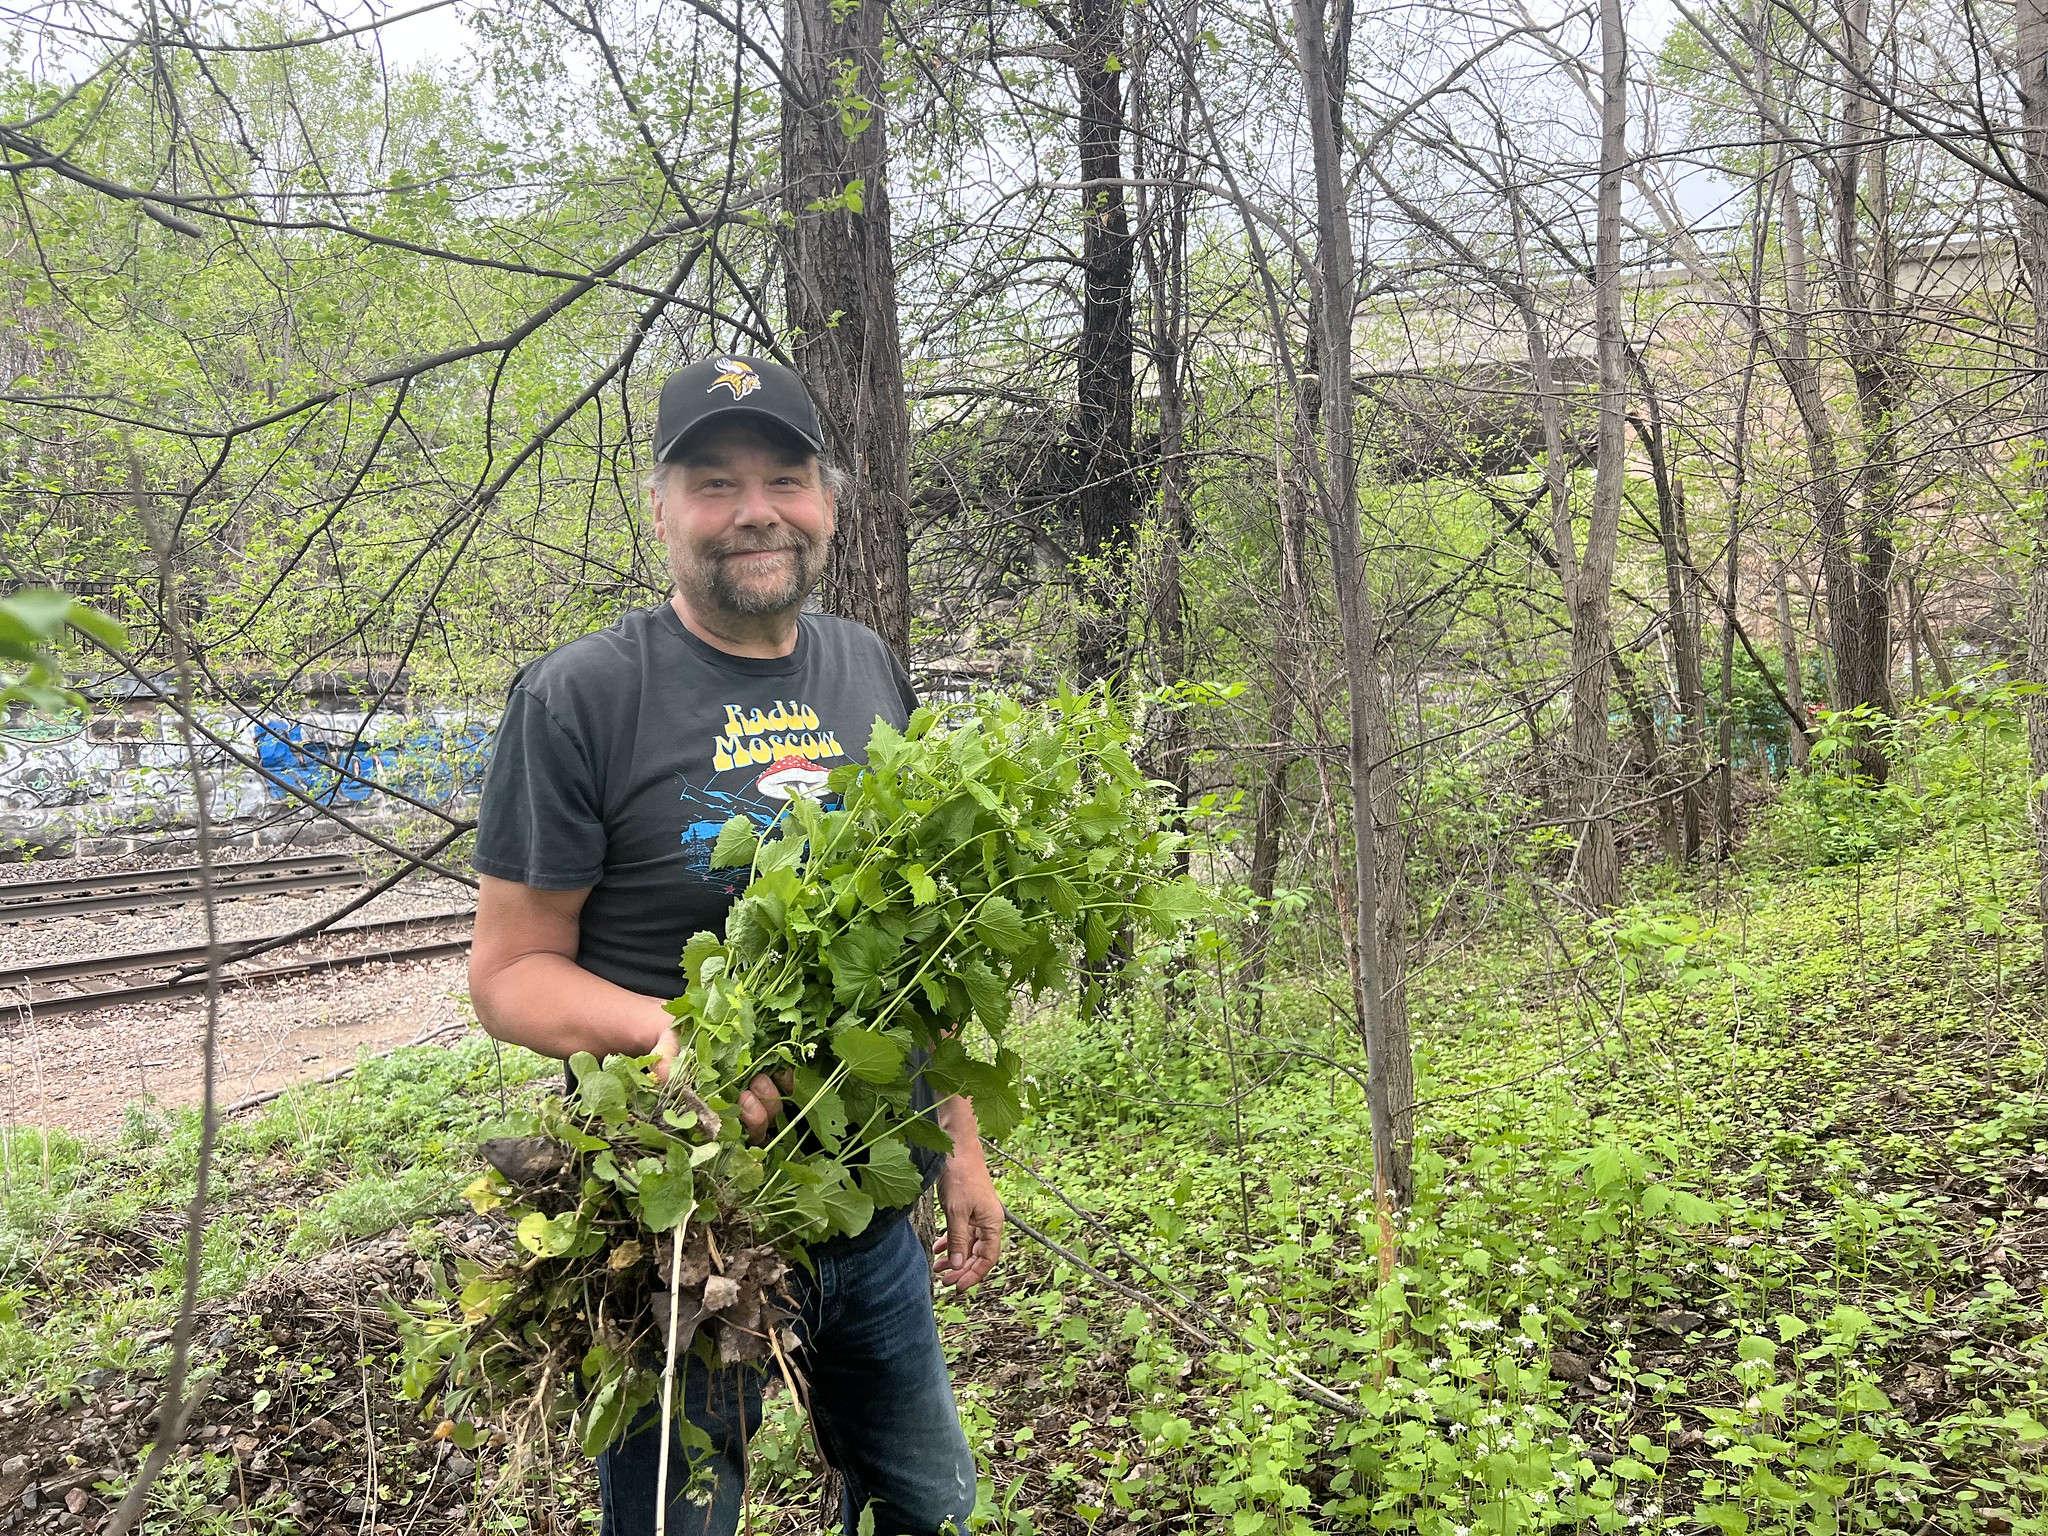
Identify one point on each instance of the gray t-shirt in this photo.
(623, 753)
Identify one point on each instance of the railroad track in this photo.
(100, 981)
(27, 900)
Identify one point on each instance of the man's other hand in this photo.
(973, 1239)
(761, 1103)
(666, 1047)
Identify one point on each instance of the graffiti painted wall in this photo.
(87, 778)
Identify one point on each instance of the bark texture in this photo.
(840, 293)
(1859, 560)
(1682, 612)
(1788, 650)
(1376, 911)
(1106, 497)
(1589, 576)
(2032, 54)
(1163, 131)
(1287, 675)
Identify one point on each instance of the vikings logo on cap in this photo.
(737, 375)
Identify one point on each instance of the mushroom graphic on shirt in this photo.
(788, 776)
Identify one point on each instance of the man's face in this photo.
(746, 523)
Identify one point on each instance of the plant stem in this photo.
(668, 1374)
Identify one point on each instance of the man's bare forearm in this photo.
(550, 1004)
(956, 1119)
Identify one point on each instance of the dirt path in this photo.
(81, 1072)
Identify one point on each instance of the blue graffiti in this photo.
(433, 763)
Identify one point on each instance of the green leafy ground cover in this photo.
(1763, 1254)
(1732, 1215)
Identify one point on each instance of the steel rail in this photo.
(142, 879)
(169, 991)
(224, 889)
(19, 977)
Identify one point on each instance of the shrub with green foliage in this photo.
(1958, 761)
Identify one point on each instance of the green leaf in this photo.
(103, 629)
(702, 947)
(850, 1209)
(857, 958)
(920, 1132)
(869, 1054)
(1174, 905)
(889, 1177)
(999, 924)
(1101, 818)
(549, 1237)
(885, 746)
(1691, 1208)
(37, 613)
(943, 830)
(993, 1086)
(825, 1113)
(780, 852)
(602, 1094)
(603, 1417)
(666, 1198)
(923, 888)
(737, 840)
(999, 1108)
(985, 989)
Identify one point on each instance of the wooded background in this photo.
(1505, 430)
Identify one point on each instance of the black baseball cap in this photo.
(727, 388)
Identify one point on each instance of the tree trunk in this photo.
(1857, 563)
(1382, 1014)
(1595, 867)
(1788, 650)
(1549, 398)
(1163, 217)
(1656, 771)
(1826, 490)
(1937, 653)
(2032, 51)
(840, 291)
(1724, 780)
(1912, 627)
(1105, 497)
(1681, 609)
(1285, 674)
(1731, 553)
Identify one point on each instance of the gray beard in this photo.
(707, 580)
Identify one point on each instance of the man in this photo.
(619, 757)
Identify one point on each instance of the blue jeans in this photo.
(879, 1396)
